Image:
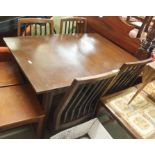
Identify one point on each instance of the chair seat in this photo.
(5, 54)
(138, 117)
(9, 74)
(18, 104)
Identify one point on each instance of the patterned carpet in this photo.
(139, 115)
(150, 90)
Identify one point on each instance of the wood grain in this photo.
(114, 29)
(19, 106)
(10, 74)
(81, 101)
(53, 62)
(5, 54)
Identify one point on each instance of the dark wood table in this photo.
(51, 63)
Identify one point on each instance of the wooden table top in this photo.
(9, 74)
(52, 62)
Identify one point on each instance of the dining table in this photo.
(51, 63)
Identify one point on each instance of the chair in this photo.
(92, 129)
(73, 25)
(19, 106)
(138, 117)
(5, 54)
(127, 76)
(35, 27)
(10, 74)
(140, 23)
(81, 100)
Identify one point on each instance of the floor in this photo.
(113, 127)
(27, 132)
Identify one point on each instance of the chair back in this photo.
(35, 26)
(80, 101)
(73, 25)
(127, 76)
(144, 26)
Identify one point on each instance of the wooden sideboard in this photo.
(114, 29)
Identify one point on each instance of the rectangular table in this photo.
(51, 63)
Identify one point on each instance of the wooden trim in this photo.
(33, 21)
(75, 84)
(72, 19)
(124, 68)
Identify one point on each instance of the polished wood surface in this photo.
(19, 106)
(53, 62)
(5, 54)
(115, 29)
(10, 74)
(129, 73)
(81, 100)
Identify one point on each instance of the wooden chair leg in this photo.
(40, 127)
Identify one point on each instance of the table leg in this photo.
(47, 102)
(50, 101)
